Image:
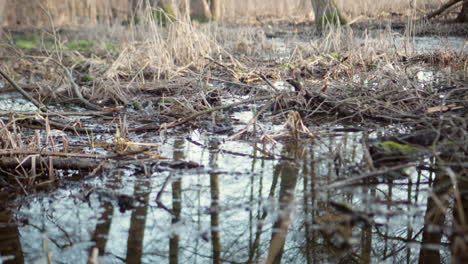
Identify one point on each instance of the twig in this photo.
(158, 196)
(255, 118)
(232, 72)
(267, 156)
(197, 114)
(267, 81)
(39, 105)
(62, 126)
(76, 88)
(78, 92)
(347, 182)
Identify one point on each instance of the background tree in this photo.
(215, 8)
(327, 12)
(200, 10)
(205, 10)
(163, 11)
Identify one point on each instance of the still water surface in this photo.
(237, 208)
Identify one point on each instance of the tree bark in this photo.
(215, 8)
(326, 13)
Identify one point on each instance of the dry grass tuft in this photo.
(164, 52)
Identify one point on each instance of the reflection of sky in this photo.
(244, 186)
(68, 222)
(424, 44)
(16, 104)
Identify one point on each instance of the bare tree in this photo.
(327, 12)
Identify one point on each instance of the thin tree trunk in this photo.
(2, 12)
(215, 8)
(200, 10)
(326, 12)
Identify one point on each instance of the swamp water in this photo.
(293, 202)
(240, 207)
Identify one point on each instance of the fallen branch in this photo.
(40, 124)
(197, 114)
(28, 97)
(57, 163)
(76, 88)
(88, 113)
(252, 121)
(264, 78)
(441, 9)
(79, 161)
(9, 152)
(267, 156)
(353, 180)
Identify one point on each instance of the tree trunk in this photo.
(2, 12)
(463, 15)
(215, 8)
(200, 10)
(326, 12)
(166, 13)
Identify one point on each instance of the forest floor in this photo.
(366, 75)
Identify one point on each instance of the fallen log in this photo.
(441, 9)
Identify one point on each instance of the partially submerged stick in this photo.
(207, 111)
(255, 118)
(27, 96)
(267, 81)
(78, 93)
(76, 88)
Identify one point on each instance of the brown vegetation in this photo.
(72, 13)
(169, 71)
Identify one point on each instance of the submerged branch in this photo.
(27, 96)
(207, 111)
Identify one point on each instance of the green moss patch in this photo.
(82, 45)
(397, 148)
(26, 44)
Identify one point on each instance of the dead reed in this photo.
(173, 71)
